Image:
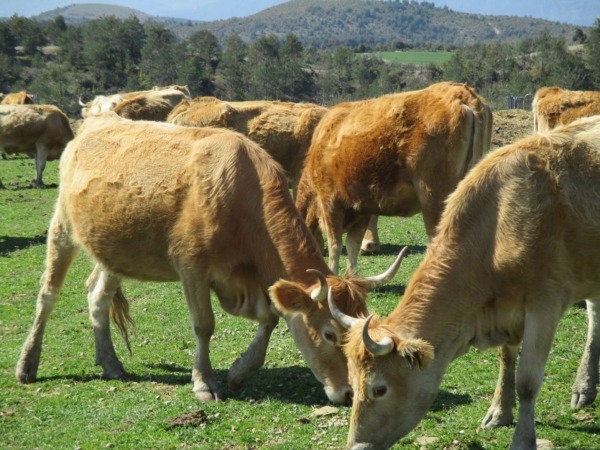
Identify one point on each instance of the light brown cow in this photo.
(395, 155)
(40, 130)
(18, 98)
(154, 105)
(103, 103)
(283, 129)
(553, 106)
(210, 208)
(516, 245)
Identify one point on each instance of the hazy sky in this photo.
(571, 11)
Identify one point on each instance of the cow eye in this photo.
(330, 336)
(379, 391)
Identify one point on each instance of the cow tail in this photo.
(119, 314)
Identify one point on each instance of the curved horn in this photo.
(80, 102)
(319, 294)
(343, 319)
(378, 280)
(377, 348)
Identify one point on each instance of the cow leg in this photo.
(353, 239)
(500, 412)
(102, 287)
(333, 224)
(540, 327)
(197, 294)
(584, 388)
(254, 357)
(41, 155)
(59, 256)
(370, 243)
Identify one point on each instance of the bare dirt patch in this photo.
(510, 125)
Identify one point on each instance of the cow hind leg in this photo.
(353, 239)
(584, 388)
(60, 254)
(370, 242)
(254, 357)
(500, 412)
(197, 294)
(102, 287)
(41, 155)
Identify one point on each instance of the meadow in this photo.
(418, 58)
(282, 407)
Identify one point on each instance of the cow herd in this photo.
(234, 198)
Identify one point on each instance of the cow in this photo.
(103, 103)
(553, 106)
(40, 130)
(18, 98)
(283, 129)
(154, 105)
(394, 155)
(210, 208)
(516, 246)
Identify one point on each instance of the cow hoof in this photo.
(26, 375)
(369, 248)
(208, 396)
(581, 399)
(115, 373)
(496, 418)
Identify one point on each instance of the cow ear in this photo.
(535, 163)
(289, 298)
(416, 352)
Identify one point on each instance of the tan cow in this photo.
(553, 106)
(40, 130)
(154, 105)
(103, 103)
(395, 155)
(283, 129)
(210, 208)
(18, 98)
(516, 245)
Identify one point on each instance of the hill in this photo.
(330, 23)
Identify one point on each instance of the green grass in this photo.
(415, 57)
(72, 407)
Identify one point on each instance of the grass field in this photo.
(415, 57)
(70, 406)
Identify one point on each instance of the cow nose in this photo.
(348, 396)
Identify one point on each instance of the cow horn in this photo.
(378, 280)
(377, 348)
(80, 102)
(343, 319)
(319, 294)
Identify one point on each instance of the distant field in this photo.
(418, 58)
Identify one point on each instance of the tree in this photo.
(201, 55)
(232, 72)
(160, 57)
(593, 54)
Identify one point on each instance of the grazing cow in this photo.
(553, 106)
(154, 105)
(516, 245)
(283, 129)
(395, 155)
(40, 130)
(210, 208)
(18, 98)
(103, 103)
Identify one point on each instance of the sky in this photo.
(576, 12)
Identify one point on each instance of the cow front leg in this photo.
(540, 327)
(500, 412)
(584, 388)
(59, 256)
(370, 242)
(102, 287)
(353, 239)
(41, 155)
(197, 294)
(254, 357)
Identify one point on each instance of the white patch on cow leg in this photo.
(500, 412)
(254, 357)
(197, 294)
(540, 326)
(41, 155)
(584, 388)
(102, 286)
(60, 254)
(370, 243)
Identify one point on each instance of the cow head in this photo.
(392, 378)
(315, 331)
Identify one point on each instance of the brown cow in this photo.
(40, 130)
(205, 206)
(516, 245)
(553, 106)
(18, 98)
(283, 129)
(394, 155)
(154, 105)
